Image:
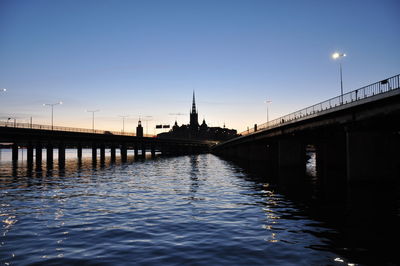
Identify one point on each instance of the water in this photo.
(187, 210)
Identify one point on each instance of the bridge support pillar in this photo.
(39, 155)
(292, 162)
(94, 152)
(331, 169)
(79, 152)
(143, 150)
(253, 155)
(372, 156)
(61, 155)
(124, 153)
(373, 169)
(15, 152)
(29, 155)
(136, 150)
(49, 154)
(153, 151)
(102, 153)
(112, 151)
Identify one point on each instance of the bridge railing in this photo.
(376, 88)
(67, 129)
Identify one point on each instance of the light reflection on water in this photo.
(195, 210)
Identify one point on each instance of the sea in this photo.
(183, 210)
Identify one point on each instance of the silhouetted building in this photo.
(194, 118)
(195, 131)
(139, 129)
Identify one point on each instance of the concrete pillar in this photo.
(143, 150)
(61, 155)
(49, 153)
(15, 168)
(263, 157)
(292, 161)
(331, 169)
(372, 156)
(102, 153)
(94, 152)
(373, 171)
(124, 153)
(39, 148)
(112, 151)
(136, 150)
(79, 151)
(29, 154)
(15, 152)
(153, 150)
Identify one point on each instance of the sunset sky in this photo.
(145, 58)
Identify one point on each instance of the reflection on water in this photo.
(195, 209)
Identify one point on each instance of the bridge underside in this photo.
(354, 147)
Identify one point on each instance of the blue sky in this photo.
(144, 58)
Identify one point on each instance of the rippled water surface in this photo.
(197, 210)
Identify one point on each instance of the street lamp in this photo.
(3, 89)
(123, 122)
(267, 102)
(335, 56)
(52, 107)
(93, 111)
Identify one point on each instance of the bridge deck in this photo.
(376, 93)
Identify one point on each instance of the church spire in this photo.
(194, 104)
(194, 122)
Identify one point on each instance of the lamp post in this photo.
(123, 122)
(267, 102)
(4, 90)
(92, 111)
(52, 111)
(335, 56)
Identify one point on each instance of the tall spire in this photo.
(194, 104)
(194, 121)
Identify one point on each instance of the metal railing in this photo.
(376, 88)
(67, 129)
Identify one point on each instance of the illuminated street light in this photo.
(337, 56)
(94, 111)
(3, 89)
(52, 107)
(267, 102)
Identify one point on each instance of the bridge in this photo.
(38, 137)
(356, 138)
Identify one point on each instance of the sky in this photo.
(145, 58)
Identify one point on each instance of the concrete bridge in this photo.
(356, 137)
(38, 137)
